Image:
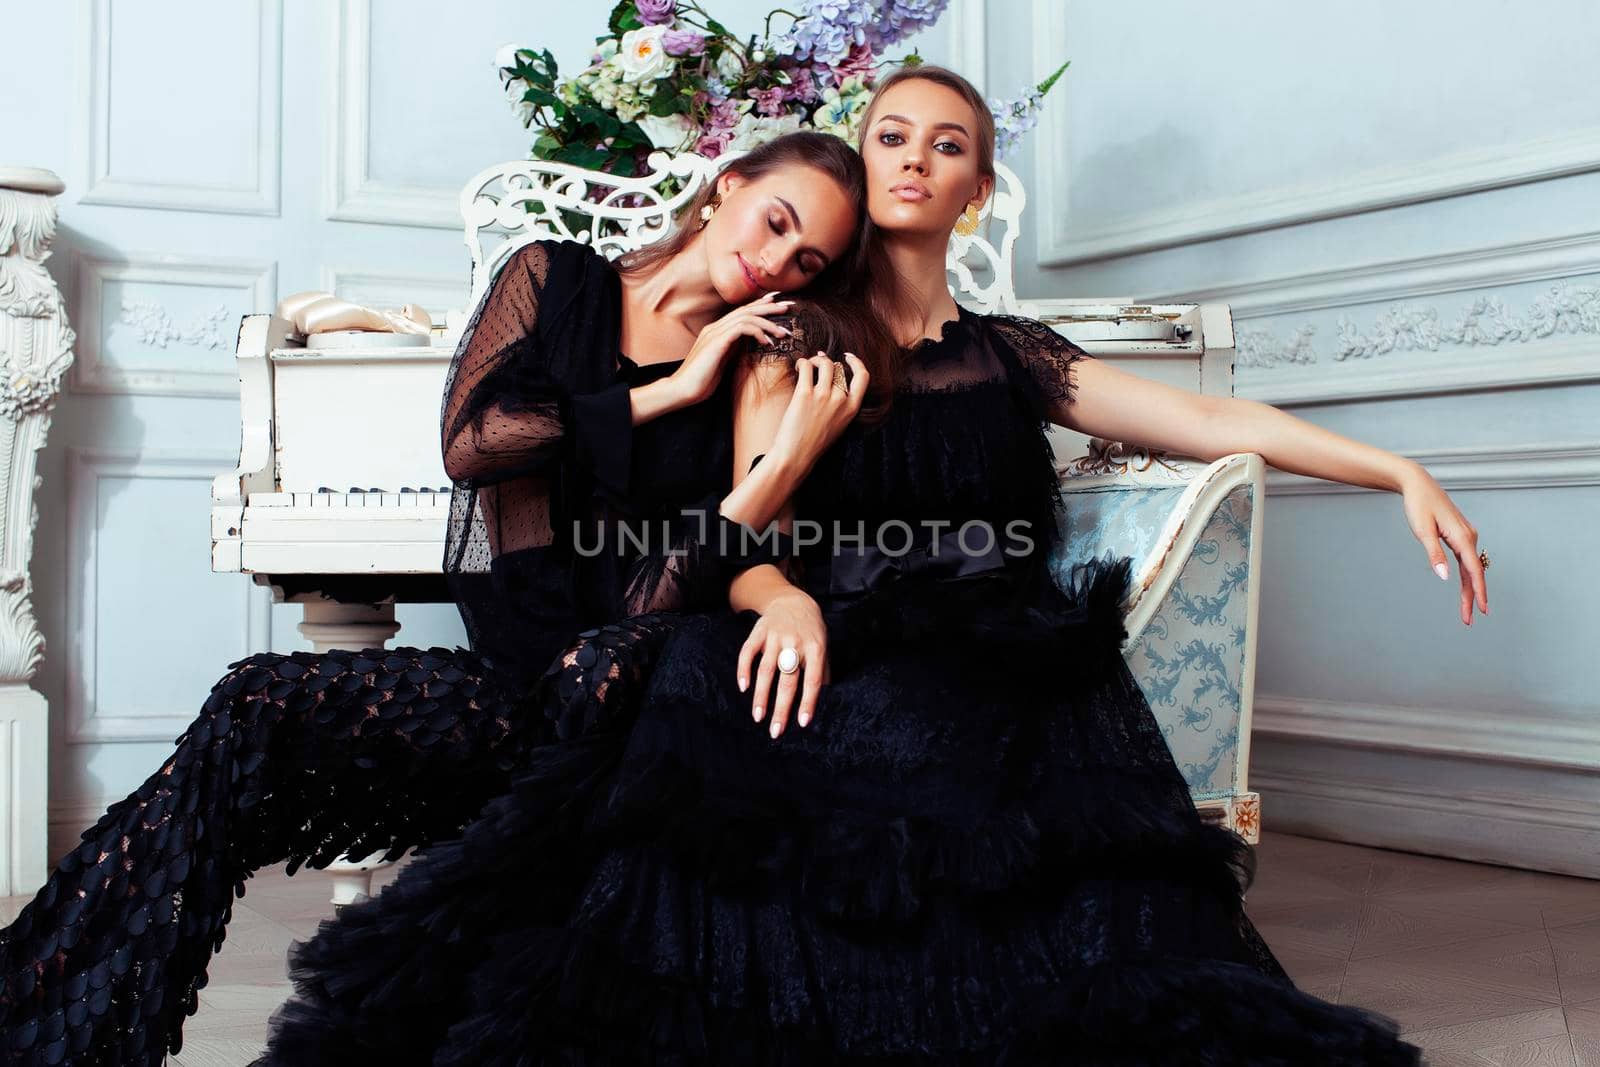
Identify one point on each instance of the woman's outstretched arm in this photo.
(1092, 397)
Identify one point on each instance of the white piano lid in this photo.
(366, 339)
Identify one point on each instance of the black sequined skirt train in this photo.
(304, 758)
(979, 852)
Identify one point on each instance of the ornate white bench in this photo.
(342, 507)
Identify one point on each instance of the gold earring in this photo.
(967, 224)
(709, 210)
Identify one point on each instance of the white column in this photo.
(35, 349)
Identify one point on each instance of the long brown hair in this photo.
(829, 312)
(806, 148)
(884, 294)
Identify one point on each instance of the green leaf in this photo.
(541, 97)
(1045, 86)
(619, 14)
(717, 28)
(604, 122)
(581, 155)
(547, 145)
(529, 72)
(626, 164)
(664, 101)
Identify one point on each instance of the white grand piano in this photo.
(341, 506)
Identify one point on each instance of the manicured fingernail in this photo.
(773, 730)
(805, 718)
(758, 713)
(1442, 571)
(744, 683)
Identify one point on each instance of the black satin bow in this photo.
(849, 572)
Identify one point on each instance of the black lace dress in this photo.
(980, 852)
(307, 758)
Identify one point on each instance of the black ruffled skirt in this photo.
(979, 852)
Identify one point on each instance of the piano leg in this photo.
(329, 625)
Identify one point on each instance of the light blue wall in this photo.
(1402, 204)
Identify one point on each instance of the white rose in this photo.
(641, 57)
(665, 131)
(729, 66)
(505, 56)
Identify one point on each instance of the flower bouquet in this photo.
(668, 77)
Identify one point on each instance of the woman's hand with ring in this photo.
(793, 624)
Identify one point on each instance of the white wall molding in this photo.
(1063, 240)
(1565, 308)
(437, 293)
(1482, 267)
(1475, 819)
(84, 721)
(1555, 737)
(104, 186)
(968, 23)
(1566, 361)
(68, 818)
(1413, 349)
(1530, 466)
(256, 280)
(351, 193)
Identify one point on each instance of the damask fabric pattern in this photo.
(979, 852)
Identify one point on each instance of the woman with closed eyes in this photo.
(582, 393)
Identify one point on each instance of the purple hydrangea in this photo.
(656, 12)
(1014, 118)
(718, 129)
(827, 30)
(683, 43)
(802, 86)
(900, 19)
(860, 62)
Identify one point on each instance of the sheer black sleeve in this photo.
(533, 425)
(510, 410)
(1046, 359)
